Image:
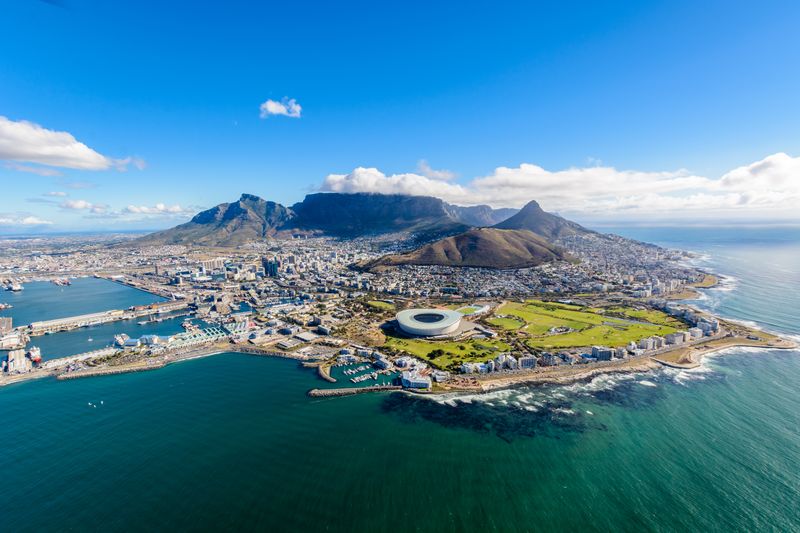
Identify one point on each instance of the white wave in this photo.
(598, 383)
(589, 413)
(684, 376)
(793, 336)
(647, 383)
(743, 322)
(563, 411)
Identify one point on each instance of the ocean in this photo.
(232, 441)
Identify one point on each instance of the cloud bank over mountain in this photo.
(769, 188)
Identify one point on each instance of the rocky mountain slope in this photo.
(479, 247)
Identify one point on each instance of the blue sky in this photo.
(602, 111)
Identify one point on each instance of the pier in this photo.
(109, 371)
(333, 393)
(79, 358)
(93, 319)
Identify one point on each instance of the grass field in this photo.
(381, 306)
(506, 322)
(455, 353)
(709, 280)
(646, 315)
(591, 326)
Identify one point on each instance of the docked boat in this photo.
(35, 354)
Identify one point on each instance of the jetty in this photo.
(333, 393)
(110, 370)
(93, 319)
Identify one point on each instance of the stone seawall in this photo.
(332, 393)
(108, 371)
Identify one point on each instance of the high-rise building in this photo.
(271, 266)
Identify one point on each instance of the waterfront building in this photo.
(468, 368)
(12, 340)
(440, 376)
(412, 379)
(18, 363)
(528, 362)
(602, 353)
(382, 363)
(675, 338)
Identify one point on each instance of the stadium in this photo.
(429, 322)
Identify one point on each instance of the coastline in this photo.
(692, 291)
(684, 357)
(154, 363)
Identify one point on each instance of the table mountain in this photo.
(336, 214)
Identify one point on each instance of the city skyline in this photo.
(663, 114)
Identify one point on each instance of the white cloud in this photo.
(767, 188)
(373, 180)
(83, 205)
(425, 169)
(287, 107)
(29, 142)
(58, 194)
(22, 220)
(34, 221)
(41, 171)
(158, 209)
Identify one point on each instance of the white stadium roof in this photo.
(429, 322)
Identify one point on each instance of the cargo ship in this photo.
(35, 355)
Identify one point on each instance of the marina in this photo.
(43, 301)
(84, 333)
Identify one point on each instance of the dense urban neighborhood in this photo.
(422, 327)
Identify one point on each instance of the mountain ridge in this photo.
(346, 215)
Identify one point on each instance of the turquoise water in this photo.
(42, 300)
(232, 442)
(96, 337)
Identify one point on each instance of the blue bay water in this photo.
(42, 300)
(233, 442)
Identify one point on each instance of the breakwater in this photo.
(108, 371)
(332, 393)
(324, 372)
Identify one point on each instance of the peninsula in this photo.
(433, 301)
